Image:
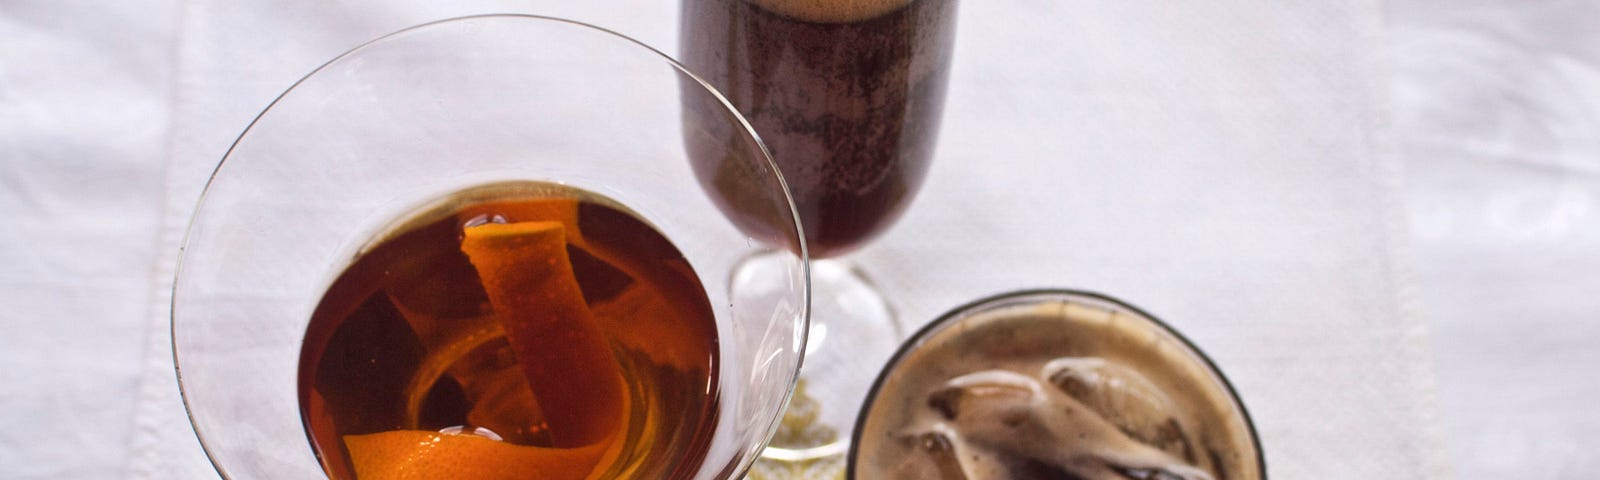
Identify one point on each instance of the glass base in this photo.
(853, 333)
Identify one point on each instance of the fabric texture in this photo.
(1230, 167)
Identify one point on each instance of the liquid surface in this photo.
(847, 95)
(418, 342)
(1054, 390)
(831, 10)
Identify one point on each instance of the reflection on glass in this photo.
(848, 95)
(477, 248)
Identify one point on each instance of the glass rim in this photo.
(949, 317)
(765, 155)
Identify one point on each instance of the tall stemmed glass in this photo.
(413, 116)
(848, 96)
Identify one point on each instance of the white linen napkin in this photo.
(1217, 164)
(83, 124)
(1497, 116)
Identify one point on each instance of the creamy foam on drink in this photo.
(831, 11)
(1051, 387)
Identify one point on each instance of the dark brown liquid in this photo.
(850, 110)
(405, 338)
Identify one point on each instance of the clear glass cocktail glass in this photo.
(415, 115)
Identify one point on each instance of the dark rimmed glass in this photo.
(977, 308)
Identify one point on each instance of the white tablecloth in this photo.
(1496, 108)
(1233, 167)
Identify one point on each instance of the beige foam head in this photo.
(831, 11)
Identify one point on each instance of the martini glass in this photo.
(434, 109)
